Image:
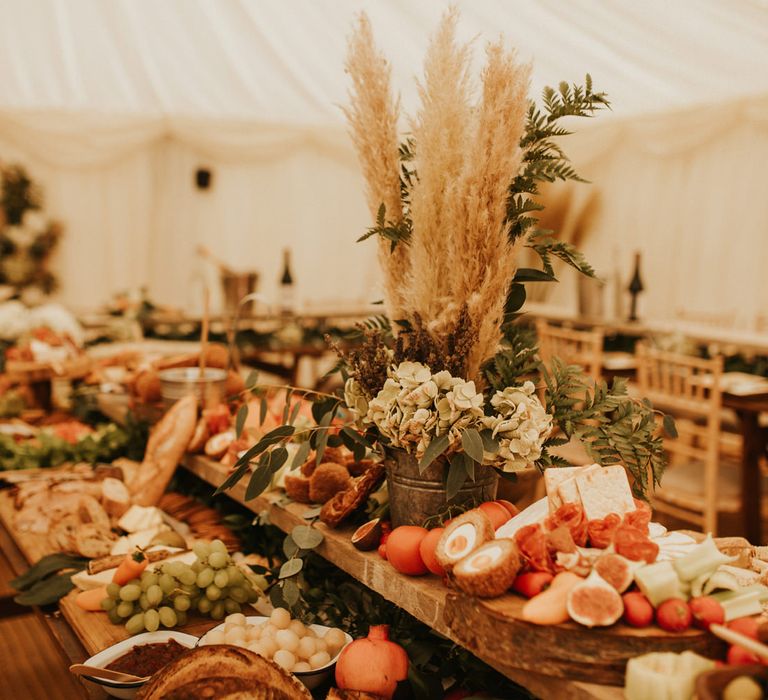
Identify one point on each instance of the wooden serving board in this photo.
(491, 629)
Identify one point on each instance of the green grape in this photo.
(213, 592)
(182, 603)
(218, 546)
(114, 618)
(239, 594)
(204, 605)
(253, 595)
(197, 566)
(181, 618)
(144, 602)
(189, 588)
(218, 611)
(113, 590)
(236, 576)
(135, 624)
(167, 616)
(125, 609)
(108, 604)
(231, 606)
(188, 577)
(167, 583)
(151, 620)
(218, 560)
(201, 550)
(175, 568)
(221, 579)
(154, 595)
(149, 578)
(131, 591)
(205, 578)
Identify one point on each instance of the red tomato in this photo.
(427, 551)
(532, 583)
(739, 656)
(706, 611)
(496, 512)
(746, 625)
(673, 615)
(403, 549)
(638, 611)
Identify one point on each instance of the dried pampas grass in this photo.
(459, 261)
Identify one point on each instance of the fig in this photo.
(366, 537)
(217, 445)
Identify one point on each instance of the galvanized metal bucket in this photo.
(414, 497)
(180, 381)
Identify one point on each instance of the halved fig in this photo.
(366, 538)
(616, 570)
(594, 602)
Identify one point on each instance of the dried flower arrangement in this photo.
(447, 373)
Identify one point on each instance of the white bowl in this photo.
(127, 691)
(311, 679)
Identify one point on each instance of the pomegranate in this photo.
(373, 664)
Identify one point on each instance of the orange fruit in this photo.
(427, 551)
(403, 549)
(496, 513)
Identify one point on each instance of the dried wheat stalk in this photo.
(372, 115)
(459, 262)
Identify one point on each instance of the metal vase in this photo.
(414, 497)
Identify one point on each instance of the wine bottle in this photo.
(287, 300)
(635, 287)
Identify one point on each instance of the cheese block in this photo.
(605, 490)
(141, 539)
(138, 518)
(534, 513)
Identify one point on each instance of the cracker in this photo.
(605, 491)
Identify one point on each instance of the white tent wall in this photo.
(113, 105)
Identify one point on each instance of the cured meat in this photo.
(634, 544)
(639, 518)
(571, 515)
(531, 542)
(601, 531)
(560, 540)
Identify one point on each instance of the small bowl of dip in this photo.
(141, 655)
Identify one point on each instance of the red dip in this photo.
(148, 659)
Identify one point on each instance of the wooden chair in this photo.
(583, 348)
(693, 488)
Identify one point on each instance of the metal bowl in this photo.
(209, 388)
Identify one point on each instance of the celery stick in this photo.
(742, 606)
(659, 582)
(759, 588)
(703, 558)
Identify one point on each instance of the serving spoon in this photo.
(105, 673)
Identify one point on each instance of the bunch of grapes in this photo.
(213, 586)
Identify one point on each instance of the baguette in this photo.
(115, 497)
(166, 446)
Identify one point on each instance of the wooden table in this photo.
(567, 661)
(755, 437)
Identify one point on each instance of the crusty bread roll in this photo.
(115, 497)
(93, 541)
(89, 510)
(221, 671)
(166, 446)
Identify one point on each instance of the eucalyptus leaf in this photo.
(234, 477)
(287, 406)
(252, 379)
(472, 444)
(46, 591)
(290, 548)
(277, 458)
(322, 436)
(294, 412)
(307, 537)
(49, 564)
(311, 513)
(240, 418)
(301, 455)
(260, 480)
(291, 568)
(291, 592)
(263, 408)
(436, 447)
(457, 475)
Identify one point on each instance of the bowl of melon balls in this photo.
(309, 652)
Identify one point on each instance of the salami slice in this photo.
(639, 518)
(570, 515)
(531, 542)
(634, 544)
(601, 530)
(560, 540)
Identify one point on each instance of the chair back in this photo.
(584, 348)
(689, 389)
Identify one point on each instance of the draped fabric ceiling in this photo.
(112, 105)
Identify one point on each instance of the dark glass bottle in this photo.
(287, 300)
(635, 287)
